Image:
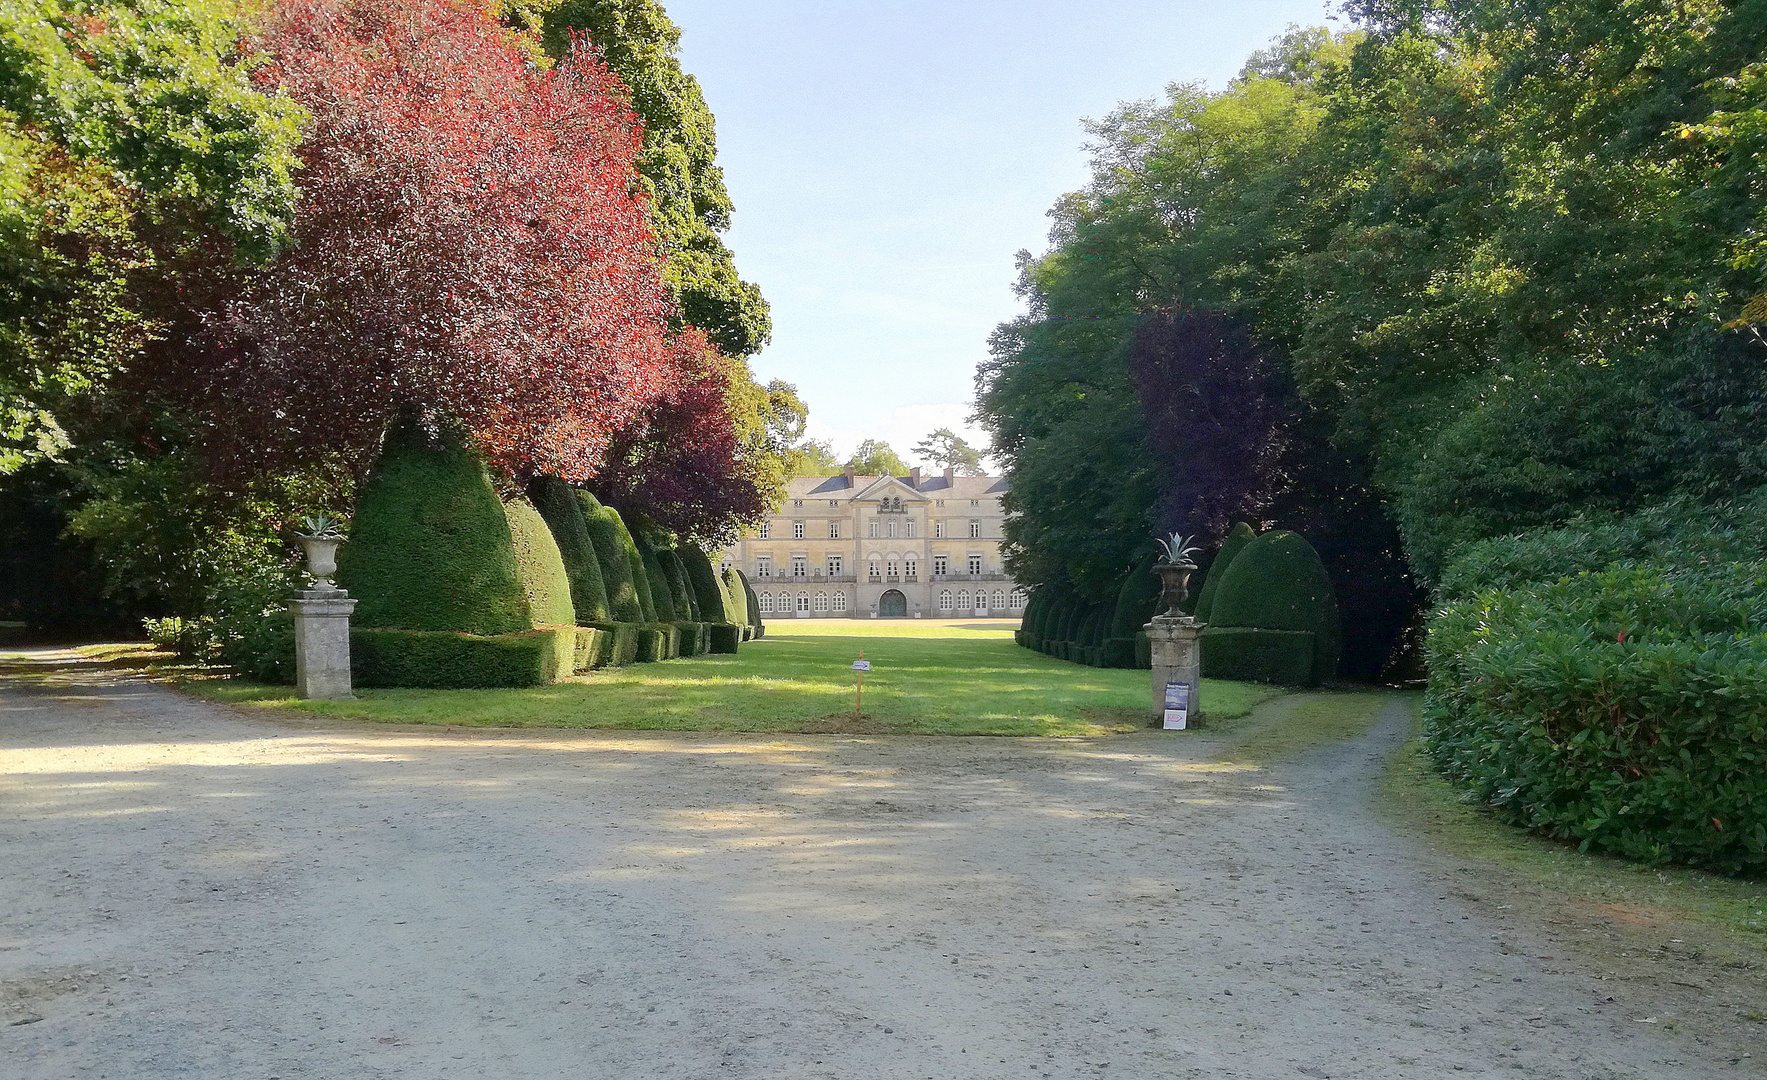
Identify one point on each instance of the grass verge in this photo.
(1298, 723)
(946, 681)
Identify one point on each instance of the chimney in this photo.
(914, 478)
(849, 475)
(949, 472)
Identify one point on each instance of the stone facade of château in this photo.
(915, 546)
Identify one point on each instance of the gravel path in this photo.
(194, 891)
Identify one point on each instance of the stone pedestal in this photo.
(1176, 658)
(322, 643)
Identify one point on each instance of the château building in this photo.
(881, 547)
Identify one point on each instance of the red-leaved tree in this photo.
(467, 241)
(698, 460)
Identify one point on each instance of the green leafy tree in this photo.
(945, 449)
(873, 457)
(812, 457)
(690, 207)
(131, 134)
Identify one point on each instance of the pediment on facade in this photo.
(893, 487)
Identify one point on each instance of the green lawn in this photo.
(927, 677)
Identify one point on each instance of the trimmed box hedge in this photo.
(1250, 654)
(591, 648)
(693, 640)
(621, 644)
(445, 660)
(1143, 651)
(724, 637)
(1117, 652)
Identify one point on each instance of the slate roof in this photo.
(936, 486)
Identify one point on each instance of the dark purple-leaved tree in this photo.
(1214, 407)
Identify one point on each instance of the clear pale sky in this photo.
(888, 159)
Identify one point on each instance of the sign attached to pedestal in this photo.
(1177, 706)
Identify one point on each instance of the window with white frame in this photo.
(876, 573)
(975, 529)
(908, 527)
(834, 566)
(1018, 598)
(892, 569)
(797, 530)
(766, 599)
(945, 600)
(940, 569)
(975, 564)
(909, 566)
(963, 600)
(834, 530)
(800, 502)
(821, 603)
(999, 599)
(873, 528)
(804, 602)
(975, 502)
(940, 503)
(938, 530)
(765, 530)
(840, 602)
(763, 566)
(800, 566)
(892, 528)
(834, 503)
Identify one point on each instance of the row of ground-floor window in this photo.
(892, 603)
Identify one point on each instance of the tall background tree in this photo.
(873, 457)
(945, 449)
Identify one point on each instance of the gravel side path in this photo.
(194, 891)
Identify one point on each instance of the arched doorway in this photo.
(892, 605)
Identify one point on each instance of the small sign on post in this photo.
(1177, 706)
(860, 667)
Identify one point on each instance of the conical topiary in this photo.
(429, 546)
(564, 515)
(736, 607)
(752, 603)
(661, 595)
(628, 598)
(537, 559)
(1137, 600)
(686, 603)
(704, 580)
(1277, 582)
(1240, 535)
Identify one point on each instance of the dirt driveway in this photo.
(189, 891)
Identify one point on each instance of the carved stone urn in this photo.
(1174, 585)
(321, 557)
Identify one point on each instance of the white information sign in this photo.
(1177, 706)
(861, 665)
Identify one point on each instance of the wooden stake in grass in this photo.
(860, 667)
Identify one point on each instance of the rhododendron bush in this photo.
(467, 240)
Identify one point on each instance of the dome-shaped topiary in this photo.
(543, 576)
(563, 511)
(1277, 582)
(1237, 539)
(429, 546)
